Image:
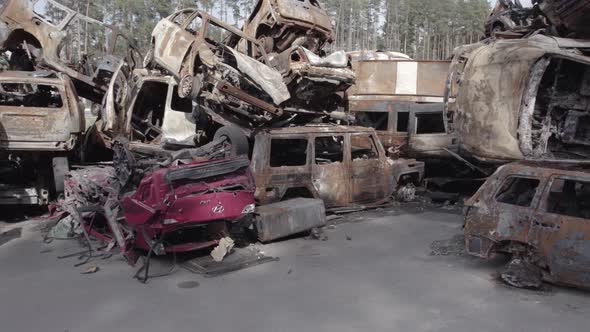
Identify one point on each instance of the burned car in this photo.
(293, 34)
(47, 34)
(538, 213)
(160, 201)
(41, 123)
(522, 99)
(280, 24)
(231, 86)
(402, 100)
(343, 166)
(570, 17)
(234, 81)
(143, 106)
(512, 16)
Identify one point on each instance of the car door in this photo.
(331, 168)
(560, 229)
(513, 205)
(172, 41)
(368, 184)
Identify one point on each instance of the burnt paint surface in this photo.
(560, 242)
(339, 184)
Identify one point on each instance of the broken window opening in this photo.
(364, 148)
(148, 110)
(377, 120)
(30, 95)
(217, 34)
(181, 17)
(86, 44)
(518, 191)
(195, 26)
(561, 121)
(288, 152)
(50, 12)
(430, 123)
(184, 105)
(329, 150)
(569, 198)
(403, 122)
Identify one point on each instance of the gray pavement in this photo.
(384, 278)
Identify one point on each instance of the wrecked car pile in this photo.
(524, 97)
(216, 121)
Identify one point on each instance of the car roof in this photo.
(39, 76)
(548, 168)
(320, 128)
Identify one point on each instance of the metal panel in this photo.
(290, 217)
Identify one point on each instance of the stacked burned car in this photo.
(41, 124)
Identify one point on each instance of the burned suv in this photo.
(40, 125)
(343, 166)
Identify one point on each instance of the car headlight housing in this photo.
(250, 208)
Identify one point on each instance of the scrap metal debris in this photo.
(91, 270)
(240, 259)
(223, 249)
(522, 274)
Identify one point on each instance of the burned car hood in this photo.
(335, 60)
(269, 79)
(491, 99)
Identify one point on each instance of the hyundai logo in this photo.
(218, 209)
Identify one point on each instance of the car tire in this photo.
(185, 86)
(236, 138)
(61, 167)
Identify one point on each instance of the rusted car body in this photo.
(41, 122)
(568, 16)
(293, 34)
(403, 100)
(280, 24)
(236, 82)
(44, 33)
(539, 213)
(522, 99)
(232, 87)
(512, 16)
(343, 166)
(145, 107)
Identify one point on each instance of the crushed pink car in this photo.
(188, 207)
(160, 209)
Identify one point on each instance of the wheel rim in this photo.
(186, 86)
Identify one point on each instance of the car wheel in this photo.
(61, 167)
(237, 139)
(185, 87)
(148, 60)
